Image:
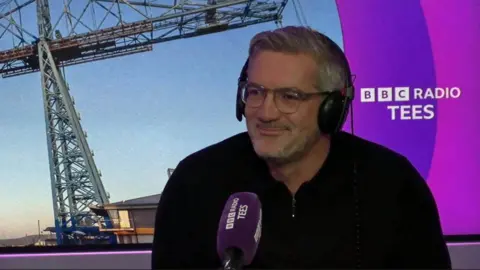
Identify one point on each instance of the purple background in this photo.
(429, 43)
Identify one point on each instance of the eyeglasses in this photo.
(287, 100)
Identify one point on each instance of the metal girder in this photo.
(75, 180)
(122, 33)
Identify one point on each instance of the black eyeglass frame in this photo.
(298, 96)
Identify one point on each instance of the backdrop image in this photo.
(141, 113)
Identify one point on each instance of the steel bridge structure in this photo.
(46, 36)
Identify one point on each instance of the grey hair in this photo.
(333, 70)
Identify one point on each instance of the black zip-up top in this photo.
(396, 224)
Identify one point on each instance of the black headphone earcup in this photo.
(242, 79)
(240, 107)
(332, 113)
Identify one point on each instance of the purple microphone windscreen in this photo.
(240, 225)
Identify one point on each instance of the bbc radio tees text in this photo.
(400, 101)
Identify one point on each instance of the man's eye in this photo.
(291, 95)
(253, 92)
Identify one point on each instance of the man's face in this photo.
(275, 135)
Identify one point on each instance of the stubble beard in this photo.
(289, 150)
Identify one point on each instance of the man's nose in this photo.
(268, 111)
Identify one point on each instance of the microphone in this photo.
(239, 230)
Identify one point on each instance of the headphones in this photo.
(335, 107)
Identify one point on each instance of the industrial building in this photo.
(132, 221)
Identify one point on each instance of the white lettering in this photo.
(258, 231)
(429, 93)
(417, 93)
(405, 112)
(393, 110)
(402, 93)
(367, 94)
(231, 215)
(428, 112)
(411, 112)
(455, 92)
(417, 112)
(437, 93)
(385, 94)
(242, 211)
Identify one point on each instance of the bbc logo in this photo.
(385, 94)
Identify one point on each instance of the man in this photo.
(329, 199)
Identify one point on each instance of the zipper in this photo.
(294, 202)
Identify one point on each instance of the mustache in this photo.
(273, 126)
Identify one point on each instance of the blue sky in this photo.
(143, 113)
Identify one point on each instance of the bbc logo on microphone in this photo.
(385, 94)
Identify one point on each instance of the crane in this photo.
(81, 31)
